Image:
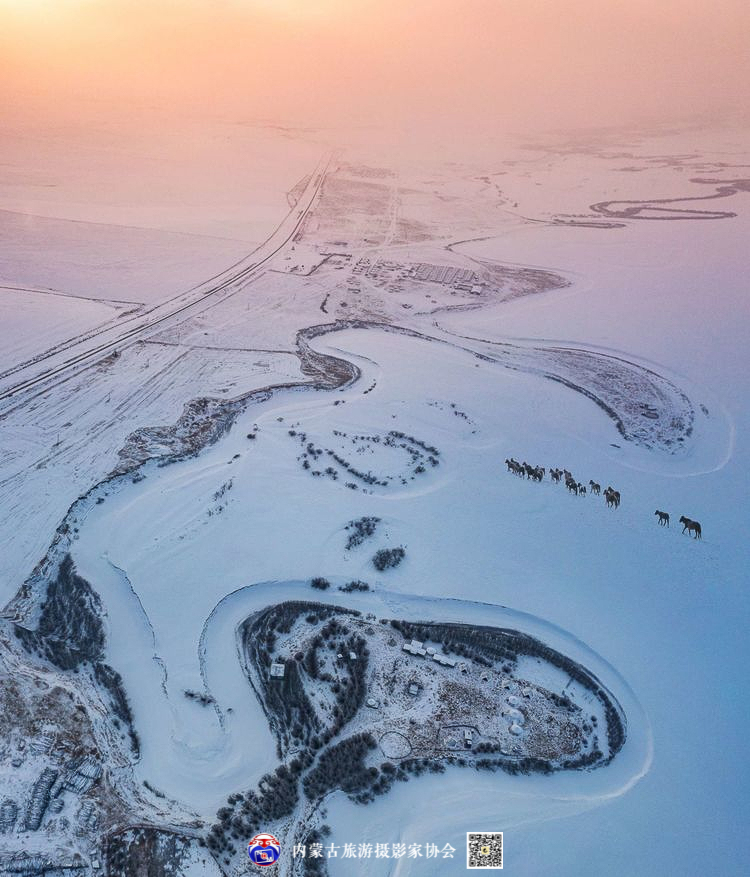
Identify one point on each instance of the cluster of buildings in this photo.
(416, 648)
(30, 865)
(78, 777)
(462, 279)
(8, 816)
(40, 798)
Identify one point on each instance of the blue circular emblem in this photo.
(264, 849)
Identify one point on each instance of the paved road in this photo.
(83, 350)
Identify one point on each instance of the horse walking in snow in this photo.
(514, 466)
(663, 518)
(692, 527)
(612, 497)
(595, 488)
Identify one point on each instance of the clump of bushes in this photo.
(354, 586)
(320, 583)
(361, 529)
(387, 558)
(200, 697)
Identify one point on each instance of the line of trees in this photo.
(70, 635)
(342, 766)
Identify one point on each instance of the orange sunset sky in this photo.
(488, 63)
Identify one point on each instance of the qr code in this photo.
(484, 849)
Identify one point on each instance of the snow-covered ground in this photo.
(116, 265)
(178, 557)
(52, 317)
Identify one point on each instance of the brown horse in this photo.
(663, 518)
(612, 497)
(692, 527)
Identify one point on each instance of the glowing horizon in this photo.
(518, 63)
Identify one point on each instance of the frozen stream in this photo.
(175, 558)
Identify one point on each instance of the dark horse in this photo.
(692, 527)
(613, 498)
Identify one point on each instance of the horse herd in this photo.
(612, 496)
(537, 473)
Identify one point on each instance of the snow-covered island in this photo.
(357, 703)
